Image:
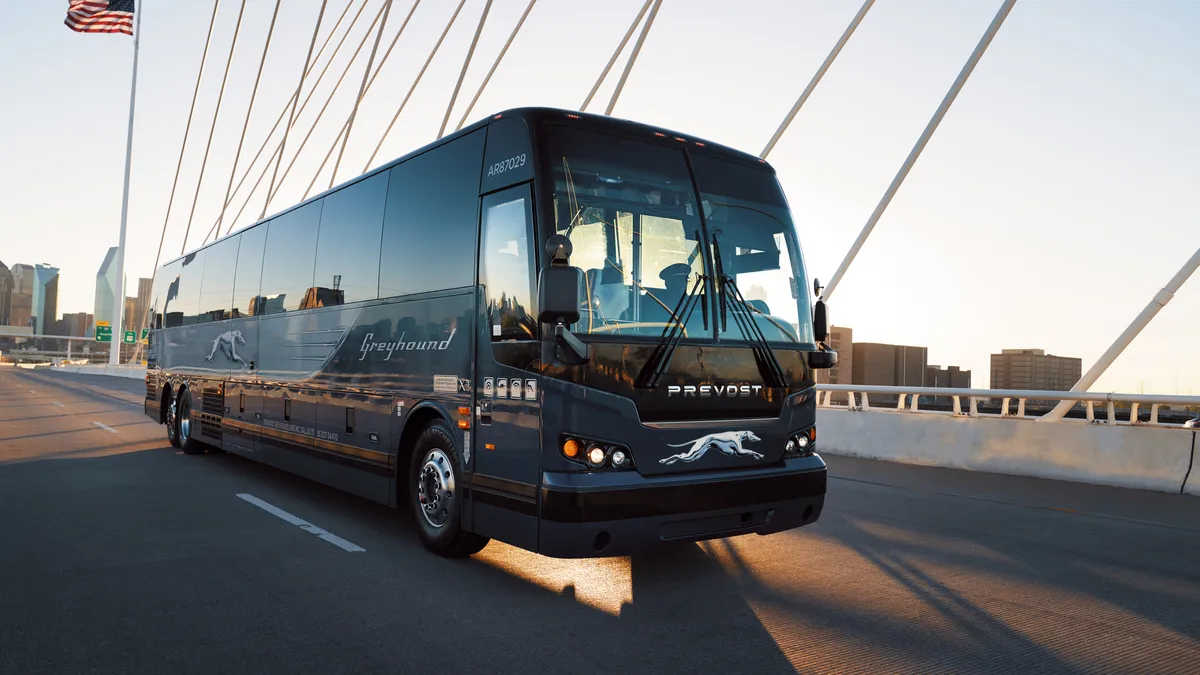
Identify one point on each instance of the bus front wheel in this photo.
(435, 493)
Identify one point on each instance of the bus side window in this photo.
(506, 268)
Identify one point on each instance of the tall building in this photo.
(145, 286)
(951, 376)
(106, 287)
(840, 340)
(1034, 369)
(128, 318)
(21, 305)
(77, 325)
(6, 284)
(44, 311)
(889, 365)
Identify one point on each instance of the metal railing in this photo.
(908, 400)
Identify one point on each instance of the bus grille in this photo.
(212, 403)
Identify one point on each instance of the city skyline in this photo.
(1062, 166)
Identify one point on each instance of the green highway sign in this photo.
(145, 333)
(103, 333)
(129, 337)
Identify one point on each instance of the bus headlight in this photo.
(801, 443)
(596, 453)
(596, 456)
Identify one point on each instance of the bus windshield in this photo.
(633, 217)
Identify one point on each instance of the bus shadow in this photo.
(672, 610)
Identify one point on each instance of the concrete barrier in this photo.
(1143, 457)
(1193, 481)
(132, 372)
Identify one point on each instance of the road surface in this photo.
(121, 555)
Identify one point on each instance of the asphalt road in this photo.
(119, 554)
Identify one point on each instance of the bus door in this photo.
(507, 436)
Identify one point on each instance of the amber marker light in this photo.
(571, 448)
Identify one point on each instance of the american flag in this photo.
(100, 16)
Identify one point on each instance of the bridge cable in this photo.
(413, 88)
(931, 127)
(183, 146)
(362, 87)
(279, 147)
(282, 147)
(637, 48)
(495, 64)
(613, 59)
(816, 78)
(463, 73)
(296, 97)
(283, 113)
(216, 113)
(249, 110)
(366, 89)
(321, 113)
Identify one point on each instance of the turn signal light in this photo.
(596, 454)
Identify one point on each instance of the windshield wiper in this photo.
(764, 356)
(660, 359)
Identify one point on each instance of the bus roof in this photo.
(534, 116)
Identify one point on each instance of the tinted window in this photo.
(166, 290)
(287, 274)
(185, 309)
(249, 271)
(216, 292)
(506, 271)
(348, 245)
(431, 221)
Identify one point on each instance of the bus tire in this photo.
(170, 402)
(184, 428)
(435, 494)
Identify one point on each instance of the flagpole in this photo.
(118, 329)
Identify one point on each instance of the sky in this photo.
(1055, 199)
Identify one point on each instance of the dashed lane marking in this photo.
(59, 404)
(302, 524)
(105, 427)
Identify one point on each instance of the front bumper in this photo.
(586, 515)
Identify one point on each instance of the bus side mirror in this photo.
(822, 360)
(559, 299)
(820, 321)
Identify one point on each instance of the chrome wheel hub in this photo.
(435, 488)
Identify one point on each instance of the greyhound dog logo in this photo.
(226, 343)
(728, 442)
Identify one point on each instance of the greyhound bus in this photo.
(578, 335)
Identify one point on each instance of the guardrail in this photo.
(908, 400)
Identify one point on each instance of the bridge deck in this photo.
(121, 555)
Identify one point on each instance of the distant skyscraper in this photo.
(841, 340)
(78, 324)
(106, 287)
(889, 365)
(21, 307)
(6, 284)
(44, 309)
(950, 376)
(1034, 369)
(145, 286)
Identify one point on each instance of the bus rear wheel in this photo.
(435, 494)
(172, 419)
(183, 425)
